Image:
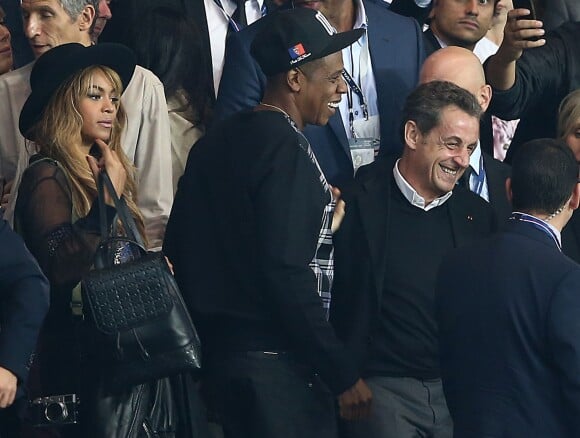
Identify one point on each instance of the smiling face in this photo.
(47, 25)
(322, 88)
(462, 22)
(98, 108)
(435, 161)
(6, 60)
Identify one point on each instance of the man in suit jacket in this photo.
(403, 216)
(212, 19)
(507, 309)
(250, 238)
(394, 57)
(486, 176)
(420, 10)
(456, 23)
(23, 306)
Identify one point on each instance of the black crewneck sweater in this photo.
(404, 343)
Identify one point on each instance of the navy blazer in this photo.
(507, 309)
(23, 303)
(361, 247)
(396, 50)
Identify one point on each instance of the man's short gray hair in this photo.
(73, 8)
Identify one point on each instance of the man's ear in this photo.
(294, 80)
(484, 97)
(508, 189)
(412, 134)
(86, 18)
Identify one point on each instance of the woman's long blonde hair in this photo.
(58, 136)
(568, 113)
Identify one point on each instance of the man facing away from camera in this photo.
(508, 307)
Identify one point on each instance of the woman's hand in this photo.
(110, 162)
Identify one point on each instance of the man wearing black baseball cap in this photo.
(250, 237)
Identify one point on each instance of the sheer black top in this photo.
(63, 245)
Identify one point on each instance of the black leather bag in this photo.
(135, 314)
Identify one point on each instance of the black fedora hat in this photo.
(294, 37)
(60, 63)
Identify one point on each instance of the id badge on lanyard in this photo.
(364, 146)
(364, 141)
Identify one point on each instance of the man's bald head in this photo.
(459, 66)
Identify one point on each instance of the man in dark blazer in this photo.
(200, 12)
(250, 238)
(401, 218)
(486, 176)
(396, 55)
(23, 306)
(507, 309)
(449, 31)
(460, 24)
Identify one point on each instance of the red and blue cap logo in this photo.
(296, 51)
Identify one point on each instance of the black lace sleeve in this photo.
(64, 249)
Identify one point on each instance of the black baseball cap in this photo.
(294, 37)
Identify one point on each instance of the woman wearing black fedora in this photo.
(74, 118)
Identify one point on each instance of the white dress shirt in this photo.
(357, 61)
(411, 194)
(217, 25)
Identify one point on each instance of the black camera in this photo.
(55, 409)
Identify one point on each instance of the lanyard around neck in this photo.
(355, 88)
